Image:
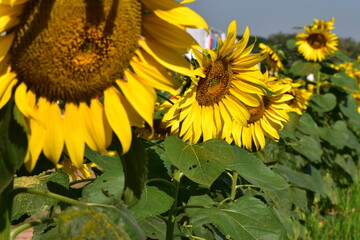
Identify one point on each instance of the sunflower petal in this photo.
(117, 117)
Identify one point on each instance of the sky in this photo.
(265, 17)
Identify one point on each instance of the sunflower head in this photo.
(60, 57)
(227, 79)
(273, 59)
(266, 119)
(323, 25)
(301, 96)
(316, 43)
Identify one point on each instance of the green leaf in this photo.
(13, 143)
(340, 136)
(105, 188)
(323, 103)
(291, 43)
(154, 227)
(299, 179)
(349, 108)
(202, 163)
(254, 171)
(330, 189)
(308, 126)
(308, 147)
(343, 80)
(81, 222)
(105, 162)
(26, 203)
(348, 165)
(149, 204)
(44, 233)
(301, 68)
(248, 218)
(342, 56)
(135, 169)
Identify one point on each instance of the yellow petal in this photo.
(251, 100)
(153, 73)
(166, 56)
(238, 110)
(5, 43)
(117, 117)
(7, 82)
(167, 33)
(74, 134)
(140, 96)
(7, 22)
(54, 137)
(12, 2)
(22, 102)
(175, 13)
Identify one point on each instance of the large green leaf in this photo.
(26, 203)
(309, 147)
(343, 80)
(308, 126)
(340, 136)
(254, 171)
(301, 68)
(203, 162)
(106, 187)
(105, 162)
(95, 223)
(307, 181)
(246, 219)
(323, 103)
(149, 204)
(349, 108)
(348, 165)
(154, 227)
(13, 143)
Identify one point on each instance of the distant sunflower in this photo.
(315, 44)
(323, 25)
(266, 119)
(60, 56)
(357, 98)
(349, 69)
(229, 79)
(301, 96)
(273, 60)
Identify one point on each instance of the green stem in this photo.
(166, 182)
(58, 197)
(172, 213)
(318, 82)
(25, 226)
(234, 179)
(5, 211)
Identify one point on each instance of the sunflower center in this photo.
(73, 50)
(215, 85)
(257, 112)
(316, 40)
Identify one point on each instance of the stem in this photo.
(233, 185)
(25, 226)
(5, 211)
(58, 197)
(318, 82)
(166, 182)
(172, 213)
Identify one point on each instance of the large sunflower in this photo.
(317, 42)
(59, 56)
(266, 119)
(273, 60)
(229, 79)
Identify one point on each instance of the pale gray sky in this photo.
(265, 17)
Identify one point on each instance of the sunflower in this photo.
(59, 57)
(228, 79)
(76, 173)
(323, 25)
(349, 69)
(266, 119)
(357, 98)
(273, 60)
(317, 42)
(301, 96)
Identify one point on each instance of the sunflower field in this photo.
(108, 132)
